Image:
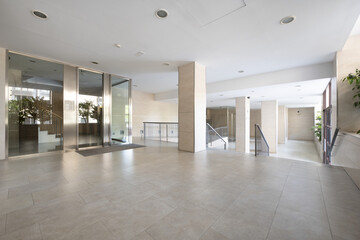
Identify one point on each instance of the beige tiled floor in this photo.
(159, 193)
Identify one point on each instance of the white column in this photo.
(282, 125)
(242, 125)
(4, 103)
(269, 123)
(192, 107)
(286, 124)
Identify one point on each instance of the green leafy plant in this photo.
(85, 110)
(354, 80)
(318, 126)
(36, 108)
(96, 113)
(16, 112)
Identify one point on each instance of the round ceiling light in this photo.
(94, 62)
(161, 13)
(241, 71)
(39, 14)
(118, 45)
(287, 20)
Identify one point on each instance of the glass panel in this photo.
(120, 110)
(35, 105)
(90, 109)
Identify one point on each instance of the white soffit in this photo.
(356, 29)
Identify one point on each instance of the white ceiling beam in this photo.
(305, 73)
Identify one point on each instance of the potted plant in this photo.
(354, 80)
(318, 126)
(85, 109)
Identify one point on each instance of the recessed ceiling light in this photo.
(39, 14)
(95, 63)
(262, 96)
(117, 45)
(166, 64)
(298, 86)
(140, 53)
(287, 20)
(240, 71)
(161, 13)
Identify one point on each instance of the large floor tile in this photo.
(28, 233)
(132, 221)
(245, 223)
(187, 222)
(290, 225)
(13, 204)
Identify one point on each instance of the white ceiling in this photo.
(296, 94)
(225, 41)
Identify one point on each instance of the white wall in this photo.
(146, 109)
(301, 121)
(347, 146)
(346, 154)
(347, 61)
(255, 118)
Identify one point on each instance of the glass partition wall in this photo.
(90, 107)
(120, 110)
(36, 107)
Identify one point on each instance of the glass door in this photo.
(35, 107)
(120, 111)
(90, 109)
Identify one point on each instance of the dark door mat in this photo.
(96, 151)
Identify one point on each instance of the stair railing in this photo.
(209, 138)
(261, 145)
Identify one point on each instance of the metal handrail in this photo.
(263, 138)
(217, 134)
(334, 139)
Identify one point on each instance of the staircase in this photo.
(45, 137)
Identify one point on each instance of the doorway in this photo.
(120, 130)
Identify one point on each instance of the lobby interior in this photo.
(157, 120)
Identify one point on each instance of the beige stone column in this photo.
(192, 107)
(4, 104)
(242, 125)
(269, 123)
(282, 124)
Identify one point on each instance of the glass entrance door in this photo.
(90, 109)
(120, 111)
